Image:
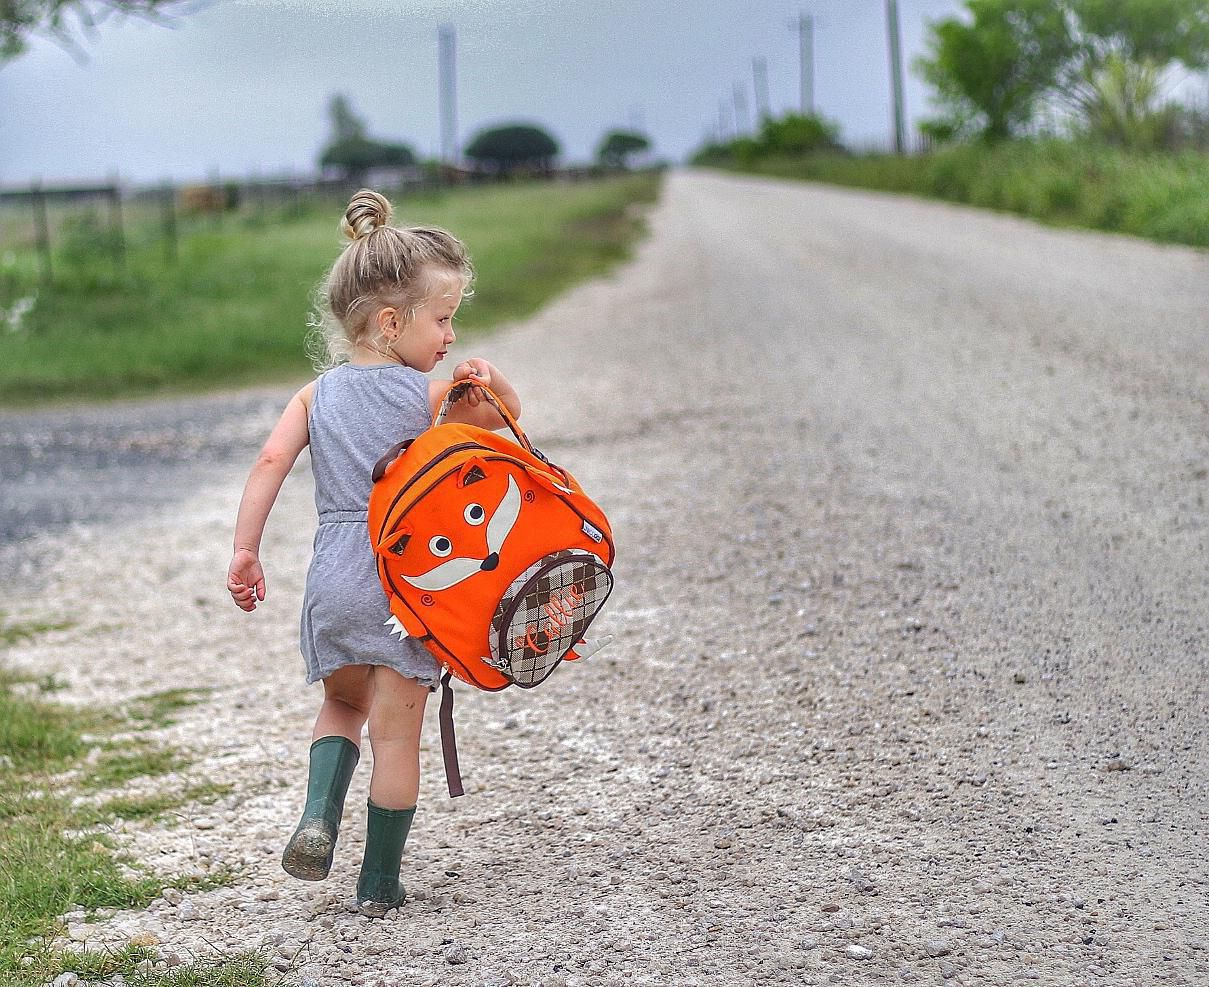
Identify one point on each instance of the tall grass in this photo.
(234, 308)
(1158, 196)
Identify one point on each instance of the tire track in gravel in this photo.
(909, 673)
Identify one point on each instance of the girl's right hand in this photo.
(245, 579)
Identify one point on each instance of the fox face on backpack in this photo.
(491, 556)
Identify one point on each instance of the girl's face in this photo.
(423, 341)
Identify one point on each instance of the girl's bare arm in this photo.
(245, 576)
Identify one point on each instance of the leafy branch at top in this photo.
(64, 20)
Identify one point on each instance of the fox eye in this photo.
(440, 546)
(475, 514)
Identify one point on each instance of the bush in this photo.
(791, 136)
(1162, 197)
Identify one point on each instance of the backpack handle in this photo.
(460, 389)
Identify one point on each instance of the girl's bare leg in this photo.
(347, 694)
(395, 718)
(333, 757)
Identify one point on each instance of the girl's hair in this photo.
(382, 265)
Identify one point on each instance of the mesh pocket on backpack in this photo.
(544, 613)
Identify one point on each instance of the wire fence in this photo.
(50, 232)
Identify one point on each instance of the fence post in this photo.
(41, 228)
(116, 228)
(168, 216)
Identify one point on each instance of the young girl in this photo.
(390, 300)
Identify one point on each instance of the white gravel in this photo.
(909, 678)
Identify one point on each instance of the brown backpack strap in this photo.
(449, 742)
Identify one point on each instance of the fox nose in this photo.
(490, 562)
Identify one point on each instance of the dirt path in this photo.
(909, 678)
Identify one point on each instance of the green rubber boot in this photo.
(308, 855)
(378, 887)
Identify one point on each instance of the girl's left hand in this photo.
(477, 370)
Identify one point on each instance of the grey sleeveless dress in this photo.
(357, 414)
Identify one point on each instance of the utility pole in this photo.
(896, 76)
(759, 71)
(447, 85)
(805, 28)
(724, 130)
(742, 125)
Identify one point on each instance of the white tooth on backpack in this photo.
(587, 647)
(396, 627)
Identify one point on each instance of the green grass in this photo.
(156, 710)
(157, 806)
(125, 761)
(246, 969)
(234, 309)
(11, 634)
(1162, 197)
(56, 852)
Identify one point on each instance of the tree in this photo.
(346, 125)
(1115, 84)
(1105, 59)
(351, 151)
(617, 146)
(797, 134)
(21, 18)
(504, 149)
(991, 72)
(1156, 31)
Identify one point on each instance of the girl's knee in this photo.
(352, 685)
(391, 687)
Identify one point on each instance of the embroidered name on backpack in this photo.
(559, 611)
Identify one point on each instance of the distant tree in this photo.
(1116, 83)
(1105, 59)
(617, 146)
(346, 125)
(504, 149)
(54, 18)
(991, 72)
(1155, 31)
(353, 153)
(795, 134)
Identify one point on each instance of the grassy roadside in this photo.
(234, 309)
(62, 774)
(1162, 197)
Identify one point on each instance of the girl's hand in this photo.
(245, 579)
(479, 371)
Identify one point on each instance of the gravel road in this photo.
(909, 675)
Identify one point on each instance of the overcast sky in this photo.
(240, 87)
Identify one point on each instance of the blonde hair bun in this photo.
(366, 212)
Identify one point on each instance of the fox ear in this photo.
(396, 541)
(472, 472)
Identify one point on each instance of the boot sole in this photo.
(308, 855)
(378, 909)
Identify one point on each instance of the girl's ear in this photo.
(388, 323)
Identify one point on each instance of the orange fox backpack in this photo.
(490, 555)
